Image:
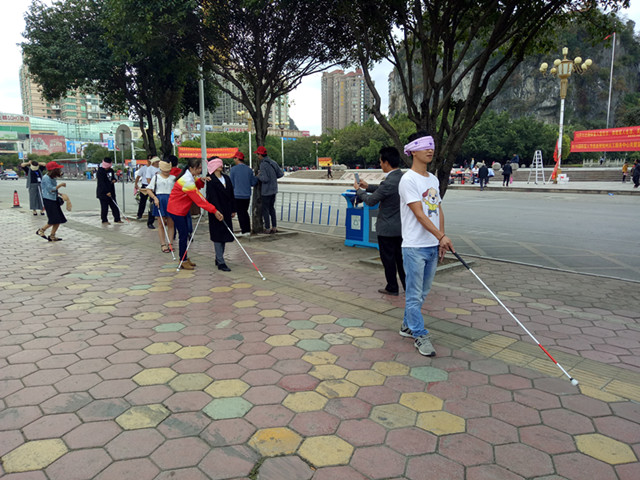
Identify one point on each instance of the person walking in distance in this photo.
(243, 179)
(388, 222)
(483, 175)
(423, 239)
(186, 192)
(50, 188)
(140, 184)
(106, 191)
(507, 170)
(625, 170)
(268, 175)
(635, 174)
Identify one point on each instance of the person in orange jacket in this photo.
(185, 192)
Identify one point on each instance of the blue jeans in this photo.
(420, 267)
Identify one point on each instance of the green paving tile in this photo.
(301, 324)
(429, 374)
(232, 407)
(169, 327)
(313, 345)
(349, 322)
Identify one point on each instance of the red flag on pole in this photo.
(609, 36)
(555, 159)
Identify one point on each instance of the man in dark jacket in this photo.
(388, 225)
(106, 191)
(483, 175)
(506, 174)
(268, 175)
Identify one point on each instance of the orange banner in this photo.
(194, 152)
(325, 161)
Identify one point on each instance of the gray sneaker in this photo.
(405, 331)
(424, 346)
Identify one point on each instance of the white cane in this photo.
(166, 234)
(189, 244)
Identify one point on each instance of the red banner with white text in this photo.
(625, 139)
(194, 152)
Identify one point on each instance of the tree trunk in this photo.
(257, 223)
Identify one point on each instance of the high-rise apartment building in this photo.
(74, 108)
(345, 99)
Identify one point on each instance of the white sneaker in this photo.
(424, 346)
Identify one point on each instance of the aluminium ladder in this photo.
(537, 168)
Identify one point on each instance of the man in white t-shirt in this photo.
(423, 239)
(141, 182)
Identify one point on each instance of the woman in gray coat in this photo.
(33, 171)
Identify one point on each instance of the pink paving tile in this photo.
(180, 453)
(618, 428)
(362, 432)
(103, 409)
(466, 449)
(226, 371)
(348, 408)
(134, 444)
(489, 394)
(378, 395)
(147, 395)
(93, 434)
(182, 474)
(66, 402)
(222, 433)
(628, 410)
(264, 395)
(405, 384)
(630, 471)
(536, 399)
(10, 440)
(491, 472)
(113, 388)
(51, 426)
(261, 377)
(515, 414)
(577, 466)
(17, 417)
(229, 462)
(433, 466)
(192, 365)
(523, 460)
(255, 348)
(510, 382)
(378, 462)
(338, 473)
(285, 468)
(492, 430)
(187, 401)
(411, 441)
(298, 383)
(468, 378)
(79, 465)
(587, 406)
(30, 396)
(467, 408)
(286, 353)
(264, 416)
(292, 367)
(446, 390)
(184, 424)
(547, 439)
(140, 469)
(314, 423)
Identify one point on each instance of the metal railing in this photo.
(323, 209)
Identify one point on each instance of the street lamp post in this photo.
(245, 114)
(563, 70)
(317, 163)
(282, 125)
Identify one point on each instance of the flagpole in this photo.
(613, 54)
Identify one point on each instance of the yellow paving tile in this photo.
(117, 290)
(227, 388)
(154, 376)
(136, 293)
(272, 442)
(306, 334)
(326, 450)
(605, 449)
(34, 455)
(282, 340)
(624, 389)
(264, 293)
(320, 358)
(305, 401)
(202, 299)
(241, 285)
(160, 289)
(497, 340)
(328, 372)
(337, 388)
(162, 347)
(184, 274)
(485, 301)
(17, 286)
(391, 368)
(393, 416)
(194, 352)
(365, 378)
(421, 402)
(143, 416)
(507, 293)
(176, 303)
(367, 342)
(104, 309)
(107, 301)
(35, 288)
(190, 382)
(273, 313)
(514, 358)
(162, 279)
(358, 331)
(245, 304)
(323, 319)
(599, 394)
(458, 311)
(220, 289)
(148, 316)
(441, 423)
(303, 270)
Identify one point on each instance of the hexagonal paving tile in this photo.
(163, 347)
(305, 401)
(328, 372)
(390, 368)
(169, 327)
(323, 319)
(154, 376)
(421, 402)
(313, 345)
(190, 382)
(231, 407)
(201, 299)
(34, 455)
(337, 388)
(358, 331)
(272, 442)
(604, 448)
(307, 334)
(367, 342)
(282, 340)
(221, 289)
(274, 313)
(148, 316)
(441, 423)
(193, 352)
(241, 286)
(264, 293)
(326, 450)
(349, 322)
(393, 416)
(365, 378)
(245, 304)
(144, 416)
(320, 358)
(227, 388)
(429, 374)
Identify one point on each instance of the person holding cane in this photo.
(159, 190)
(106, 191)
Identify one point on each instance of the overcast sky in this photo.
(305, 109)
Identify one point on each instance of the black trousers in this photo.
(242, 207)
(505, 180)
(143, 203)
(391, 256)
(269, 211)
(105, 203)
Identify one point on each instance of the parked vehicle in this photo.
(9, 175)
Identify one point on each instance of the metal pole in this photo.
(203, 135)
(250, 149)
(282, 148)
(317, 164)
(555, 180)
(613, 54)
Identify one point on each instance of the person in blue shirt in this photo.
(50, 188)
(243, 179)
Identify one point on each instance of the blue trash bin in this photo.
(360, 222)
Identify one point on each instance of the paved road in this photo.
(586, 233)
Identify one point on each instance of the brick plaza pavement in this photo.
(115, 366)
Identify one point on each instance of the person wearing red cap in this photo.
(268, 175)
(243, 179)
(50, 188)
